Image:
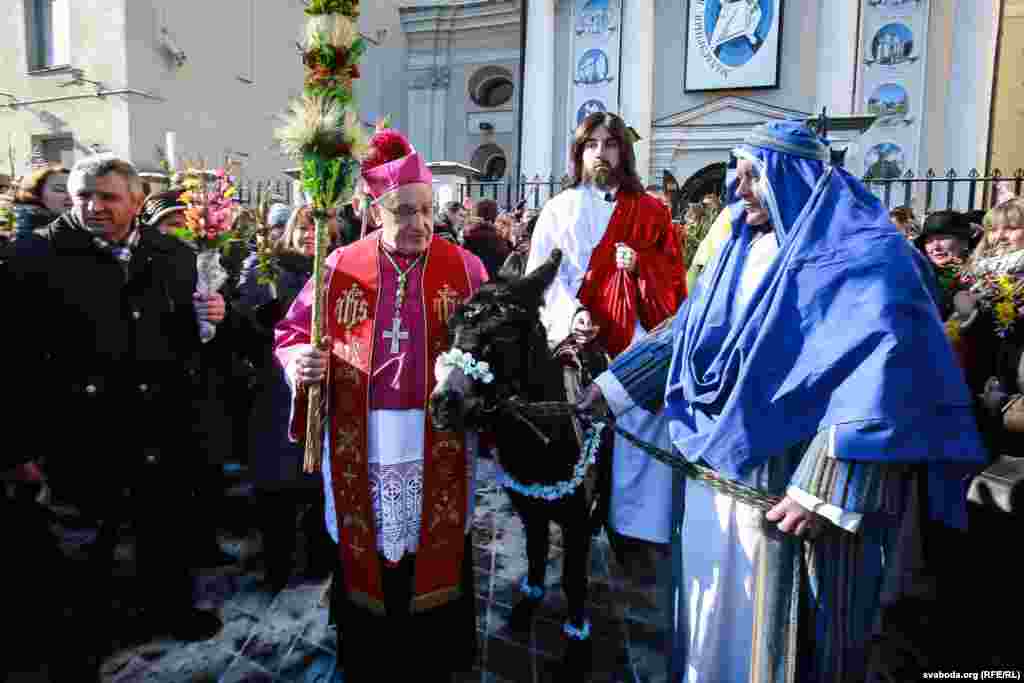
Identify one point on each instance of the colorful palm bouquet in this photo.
(211, 198)
(324, 133)
(211, 219)
(255, 228)
(1002, 295)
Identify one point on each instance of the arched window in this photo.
(491, 160)
(491, 86)
(708, 180)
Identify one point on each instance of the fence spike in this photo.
(1019, 173)
(930, 173)
(951, 174)
(973, 173)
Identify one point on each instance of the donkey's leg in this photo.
(574, 519)
(536, 522)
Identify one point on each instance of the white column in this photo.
(837, 55)
(637, 105)
(420, 113)
(539, 90)
(438, 120)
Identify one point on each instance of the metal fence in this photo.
(932, 191)
(924, 193)
(251, 192)
(533, 193)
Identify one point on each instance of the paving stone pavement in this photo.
(286, 637)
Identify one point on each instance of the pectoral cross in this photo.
(396, 334)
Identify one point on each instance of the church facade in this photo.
(461, 71)
(908, 84)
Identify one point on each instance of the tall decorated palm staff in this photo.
(399, 493)
(324, 133)
(825, 428)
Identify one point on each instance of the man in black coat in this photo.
(108, 343)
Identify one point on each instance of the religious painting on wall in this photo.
(891, 83)
(732, 44)
(596, 50)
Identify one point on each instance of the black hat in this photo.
(946, 222)
(159, 205)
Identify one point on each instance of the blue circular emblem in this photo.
(889, 99)
(893, 44)
(736, 29)
(592, 67)
(885, 160)
(589, 107)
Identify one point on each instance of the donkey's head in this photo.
(496, 338)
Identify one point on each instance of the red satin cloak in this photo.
(615, 298)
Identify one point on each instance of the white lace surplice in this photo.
(395, 444)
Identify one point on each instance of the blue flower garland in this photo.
(532, 592)
(470, 367)
(577, 633)
(563, 488)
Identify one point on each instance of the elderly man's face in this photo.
(407, 218)
(748, 175)
(105, 204)
(944, 249)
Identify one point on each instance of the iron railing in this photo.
(924, 193)
(533, 193)
(250, 192)
(950, 190)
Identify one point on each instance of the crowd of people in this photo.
(752, 351)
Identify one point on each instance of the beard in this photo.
(602, 175)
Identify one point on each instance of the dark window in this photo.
(48, 23)
(496, 92)
(491, 86)
(495, 169)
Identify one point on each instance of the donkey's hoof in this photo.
(577, 659)
(522, 615)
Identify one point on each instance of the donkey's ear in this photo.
(534, 284)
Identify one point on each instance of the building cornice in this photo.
(451, 17)
(739, 105)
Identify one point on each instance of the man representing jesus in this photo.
(399, 493)
(621, 270)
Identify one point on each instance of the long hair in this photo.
(286, 243)
(629, 179)
(30, 190)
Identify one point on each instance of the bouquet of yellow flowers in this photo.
(1003, 295)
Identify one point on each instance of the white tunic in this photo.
(574, 221)
(723, 540)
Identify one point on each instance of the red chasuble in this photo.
(352, 296)
(617, 299)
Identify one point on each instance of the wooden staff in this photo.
(315, 402)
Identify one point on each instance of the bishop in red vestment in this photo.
(399, 493)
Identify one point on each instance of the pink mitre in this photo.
(392, 163)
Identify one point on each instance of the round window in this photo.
(491, 86)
